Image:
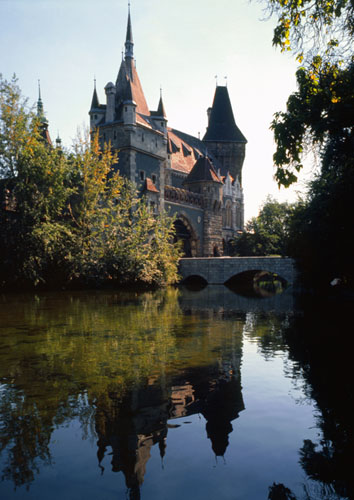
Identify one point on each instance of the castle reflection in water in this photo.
(132, 425)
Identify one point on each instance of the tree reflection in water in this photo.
(127, 365)
(112, 361)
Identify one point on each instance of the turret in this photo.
(129, 114)
(223, 138)
(159, 116)
(110, 90)
(204, 179)
(97, 111)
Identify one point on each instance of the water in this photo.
(163, 395)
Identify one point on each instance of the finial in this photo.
(225, 78)
(216, 80)
(94, 82)
(39, 90)
(160, 91)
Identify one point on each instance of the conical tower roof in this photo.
(203, 170)
(222, 126)
(161, 109)
(95, 102)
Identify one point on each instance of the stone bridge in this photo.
(218, 270)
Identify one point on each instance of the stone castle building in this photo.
(198, 181)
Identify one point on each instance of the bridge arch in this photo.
(221, 269)
(254, 275)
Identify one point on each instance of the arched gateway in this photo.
(186, 234)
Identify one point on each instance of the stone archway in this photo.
(186, 234)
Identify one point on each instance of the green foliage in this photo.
(321, 109)
(321, 227)
(319, 117)
(73, 217)
(268, 233)
(314, 27)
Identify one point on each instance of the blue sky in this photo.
(179, 45)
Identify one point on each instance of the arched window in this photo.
(228, 214)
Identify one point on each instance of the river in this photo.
(174, 394)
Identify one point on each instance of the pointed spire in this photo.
(58, 141)
(161, 108)
(129, 44)
(43, 122)
(40, 112)
(95, 102)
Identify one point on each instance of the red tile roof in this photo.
(150, 186)
(178, 148)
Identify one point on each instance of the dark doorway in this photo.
(183, 234)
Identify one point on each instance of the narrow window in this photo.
(142, 175)
(153, 178)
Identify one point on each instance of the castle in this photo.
(198, 181)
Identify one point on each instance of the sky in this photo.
(180, 46)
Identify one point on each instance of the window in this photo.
(228, 214)
(153, 178)
(125, 109)
(142, 138)
(115, 135)
(142, 175)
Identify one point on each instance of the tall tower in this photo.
(223, 138)
(204, 180)
(138, 134)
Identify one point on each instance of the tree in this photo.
(321, 34)
(268, 233)
(319, 117)
(73, 217)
